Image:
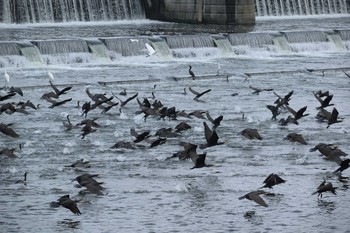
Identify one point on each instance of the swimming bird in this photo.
(197, 113)
(80, 163)
(258, 90)
(198, 94)
(7, 96)
(5, 129)
(8, 108)
(272, 180)
(251, 134)
(255, 196)
(24, 181)
(182, 127)
(17, 90)
(68, 125)
(334, 118)
(294, 137)
(68, 203)
(123, 92)
(166, 133)
(274, 110)
(125, 145)
(325, 187)
(9, 152)
(191, 73)
(330, 151)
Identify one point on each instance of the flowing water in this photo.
(145, 191)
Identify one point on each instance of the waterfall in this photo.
(106, 50)
(31, 52)
(161, 47)
(251, 39)
(9, 48)
(190, 41)
(337, 41)
(126, 46)
(301, 7)
(223, 44)
(98, 48)
(282, 43)
(49, 11)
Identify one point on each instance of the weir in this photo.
(167, 47)
(301, 7)
(50, 11)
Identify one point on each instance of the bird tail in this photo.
(314, 193)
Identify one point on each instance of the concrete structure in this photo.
(202, 11)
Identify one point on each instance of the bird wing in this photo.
(193, 91)
(210, 118)
(64, 90)
(129, 99)
(133, 132)
(291, 110)
(150, 49)
(200, 94)
(8, 131)
(57, 91)
(257, 199)
(71, 205)
(268, 178)
(318, 98)
(208, 133)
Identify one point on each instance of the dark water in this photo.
(145, 192)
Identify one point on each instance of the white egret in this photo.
(218, 69)
(7, 79)
(51, 78)
(150, 49)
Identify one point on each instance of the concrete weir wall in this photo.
(202, 11)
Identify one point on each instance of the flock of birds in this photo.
(154, 108)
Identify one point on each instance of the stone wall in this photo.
(202, 11)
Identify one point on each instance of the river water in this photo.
(145, 191)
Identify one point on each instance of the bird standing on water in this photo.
(191, 73)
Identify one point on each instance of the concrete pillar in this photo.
(202, 11)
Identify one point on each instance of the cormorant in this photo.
(191, 73)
